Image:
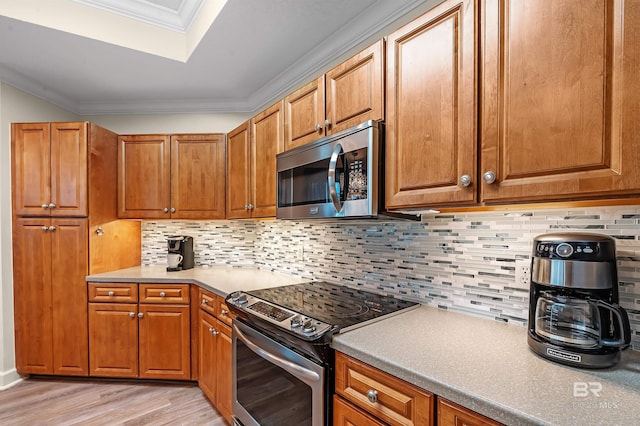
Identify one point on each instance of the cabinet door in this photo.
(32, 296)
(431, 108)
(304, 114)
(198, 176)
(224, 376)
(266, 142)
(31, 168)
(560, 99)
(69, 169)
(450, 414)
(239, 172)
(355, 90)
(207, 354)
(345, 414)
(144, 177)
(69, 268)
(113, 339)
(165, 339)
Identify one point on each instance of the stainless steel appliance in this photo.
(180, 245)
(574, 316)
(282, 359)
(336, 176)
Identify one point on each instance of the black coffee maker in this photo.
(179, 253)
(574, 316)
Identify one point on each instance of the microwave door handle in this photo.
(298, 371)
(333, 162)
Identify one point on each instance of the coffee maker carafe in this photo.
(179, 253)
(574, 316)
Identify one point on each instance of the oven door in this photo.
(272, 384)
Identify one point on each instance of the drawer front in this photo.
(224, 314)
(164, 293)
(113, 293)
(208, 302)
(450, 414)
(390, 399)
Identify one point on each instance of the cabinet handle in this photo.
(132, 314)
(52, 206)
(327, 123)
(250, 206)
(489, 177)
(204, 301)
(465, 180)
(99, 232)
(140, 315)
(173, 210)
(224, 313)
(166, 210)
(52, 228)
(246, 206)
(318, 127)
(44, 228)
(112, 293)
(372, 396)
(163, 294)
(214, 332)
(45, 206)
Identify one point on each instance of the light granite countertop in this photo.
(488, 367)
(221, 280)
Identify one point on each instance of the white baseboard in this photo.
(9, 378)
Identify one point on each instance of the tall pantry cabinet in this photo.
(64, 228)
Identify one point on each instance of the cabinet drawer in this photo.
(390, 399)
(224, 314)
(208, 302)
(110, 292)
(164, 293)
(450, 414)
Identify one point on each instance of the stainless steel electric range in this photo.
(282, 358)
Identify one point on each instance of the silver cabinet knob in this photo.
(52, 206)
(166, 210)
(99, 232)
(327, 123)
(224, 313)
(132, 314)
(140, 315)
(173, 210)
(52, 228)
(489, 177)
(250, 206)
(204, 301)
(318, 127)
(465, 180)
(215, 332)
(372, 396)
(45, 228)
(112, 293)
(246, 206)
(45, 206)
(163, 294)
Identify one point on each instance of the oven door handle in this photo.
(331, 178)
(302, 373)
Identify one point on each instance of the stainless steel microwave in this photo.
(334, 177)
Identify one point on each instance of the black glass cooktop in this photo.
(333, 304)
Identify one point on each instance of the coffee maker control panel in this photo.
(568, 250)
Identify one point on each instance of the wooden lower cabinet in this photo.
(215, 346)
(345, 414)
(145, 340)
(450, 414)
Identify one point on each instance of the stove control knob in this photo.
(296, 321)
(239, 298)
(308, 327)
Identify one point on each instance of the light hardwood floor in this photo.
(53, 402)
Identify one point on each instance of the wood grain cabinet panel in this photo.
(560, 99)
(345, 414)
(450, 414)
(239, 172)
(388, 398)
(431, 108)
(304, 112)
(112, 292)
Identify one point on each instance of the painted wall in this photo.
(15, 106)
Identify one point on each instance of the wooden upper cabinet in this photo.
(198, 176)
(50, 169)
(144, 173)
(239, 172)
(431, 108)
(560, 99)
(304, 114)
(355, 90)
(266, 141)
(349, 94)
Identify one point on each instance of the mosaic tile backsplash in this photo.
(464, 262)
